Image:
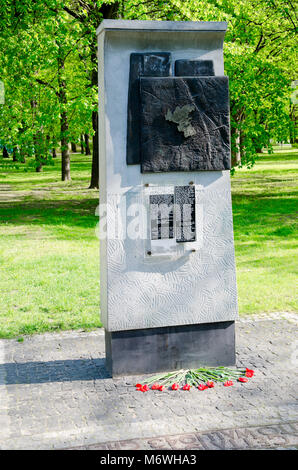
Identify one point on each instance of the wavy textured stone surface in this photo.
(197, 287)
(164, 147)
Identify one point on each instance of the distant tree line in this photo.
(48, 64)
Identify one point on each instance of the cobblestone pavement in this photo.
(56, 393)
(281, 436)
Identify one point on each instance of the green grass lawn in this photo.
(49, 251)
(265, 231)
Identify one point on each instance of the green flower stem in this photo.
(196, 376)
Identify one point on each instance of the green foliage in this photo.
(260, 59)
(259, 49)
(45, 54)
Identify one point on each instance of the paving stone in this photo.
(56, 393)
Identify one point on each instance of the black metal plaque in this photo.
(185, 124)
(185, 213)
(162, 216)
(149, 64)
(192, 68)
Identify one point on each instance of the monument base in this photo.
(170, 348)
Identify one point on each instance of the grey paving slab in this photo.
(56, 393)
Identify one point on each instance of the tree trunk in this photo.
(36, 141)
(38, 157)
(87, 147)
(65, 154)
(95, 157)
(73, 147)
(82, 143)
(54, 153)
(108, 11)
(65, 165)
(15, 154)
(23, 156)
(5, 153)
(94, 183)
(236, 152)
(37, 151)
(294, 124)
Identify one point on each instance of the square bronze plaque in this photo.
(185, 124)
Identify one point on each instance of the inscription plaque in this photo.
(174, 215)
(185, 213)
(162, 216)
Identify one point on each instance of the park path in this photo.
(55, 393)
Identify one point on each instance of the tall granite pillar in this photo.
(167, 268)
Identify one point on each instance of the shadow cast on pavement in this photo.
(53, 371)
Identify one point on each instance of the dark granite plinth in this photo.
(191, 68)
(149, 64)
(185, 124)
(170, 348)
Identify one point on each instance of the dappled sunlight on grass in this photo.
(48, 250)
(265, 230)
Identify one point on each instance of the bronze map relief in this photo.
(180, 122)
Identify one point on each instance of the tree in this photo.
(260, 56)
(44, 42)
(260, 59)
(89, 14)
(55, 43)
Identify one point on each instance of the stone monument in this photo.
(167, 267)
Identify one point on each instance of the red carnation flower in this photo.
(155, 386)
(186, 387)
(210, 384)
(249, 372)
(242, 379)
(142, 388)
(175, 386)
(228, 383)
(161, 388)
(202, 387)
